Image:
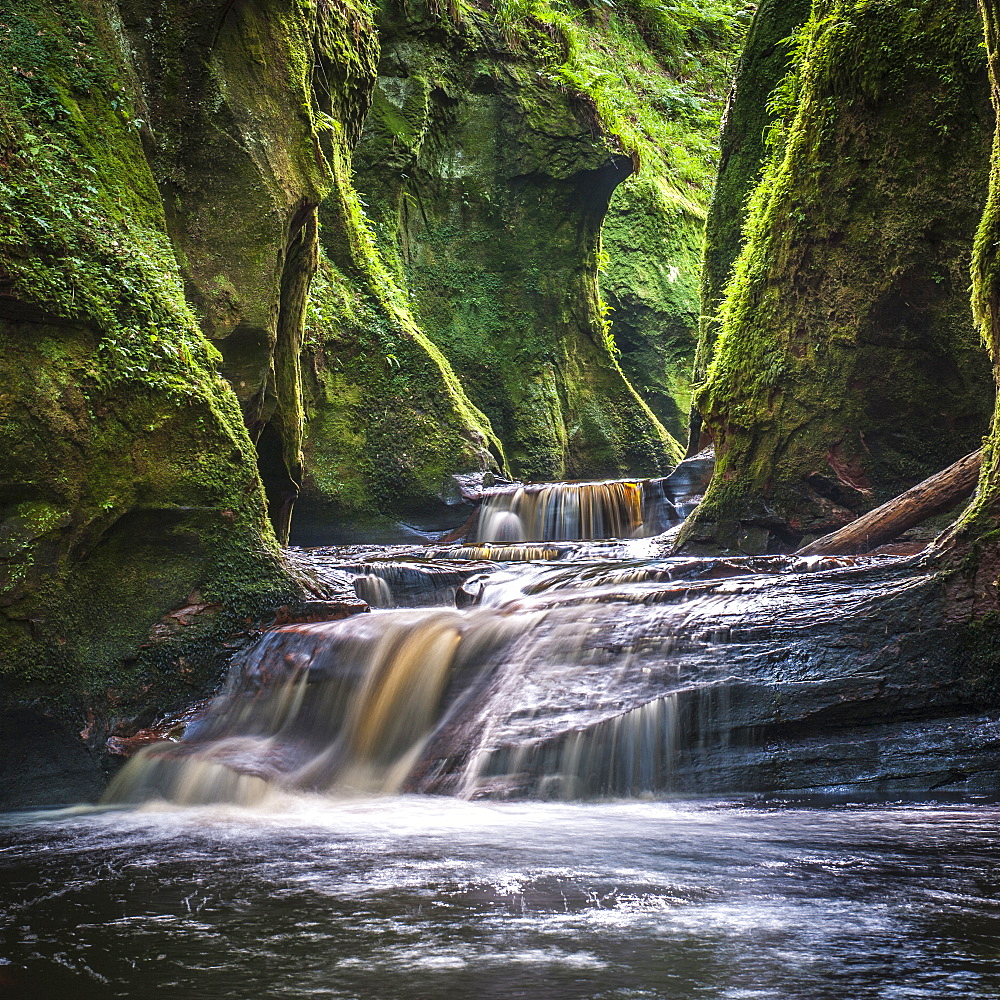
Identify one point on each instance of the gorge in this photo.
(418, 421)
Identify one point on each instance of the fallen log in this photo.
(935, 495)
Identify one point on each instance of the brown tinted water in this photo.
(570, 698)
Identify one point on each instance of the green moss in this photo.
(388, 418)
(847, 368)
(749, 119)
(489, 209)
(652, 243)
(973, 546)
(129, 486)
(85, 236)
(658, 77)
(246, 110)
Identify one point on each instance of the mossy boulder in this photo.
(848, 367)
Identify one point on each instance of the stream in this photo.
(546, 767)
(417, 897)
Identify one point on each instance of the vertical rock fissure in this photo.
(279, 446)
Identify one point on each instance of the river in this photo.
(546, 769)
(417, 898)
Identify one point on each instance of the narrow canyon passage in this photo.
(499, 499)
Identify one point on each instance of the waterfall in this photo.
(642, 751)
(563, 683)
(631, 754)
(343, 705)
(552, 669)
(560, 512)
(507, 553)
(412, 584)
(563, 512)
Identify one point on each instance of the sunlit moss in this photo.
(130, 488)
(487, 164)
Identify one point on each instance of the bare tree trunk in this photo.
(933, 496)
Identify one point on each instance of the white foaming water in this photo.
(563, 512)
(572, 669)
(418, 897)
(344, 705)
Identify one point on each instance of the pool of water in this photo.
(421, 897)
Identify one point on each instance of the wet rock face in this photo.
(602, 669)
(488, 186)
(750, 676)
(42, 763)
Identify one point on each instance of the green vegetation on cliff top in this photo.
(657, 72)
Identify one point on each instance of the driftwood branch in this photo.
(933, 496)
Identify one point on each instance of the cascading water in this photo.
(409, 584)
(583, 669)
(570, 511)
(562, 511)
(541, 670)
(345, 705)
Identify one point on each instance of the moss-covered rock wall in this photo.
(388, 419)
(659, 76)
(241, 101)
(487, 183)
(651, 242)
(972, 549)
(847, 367)
(749, 116)
(133, 530)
